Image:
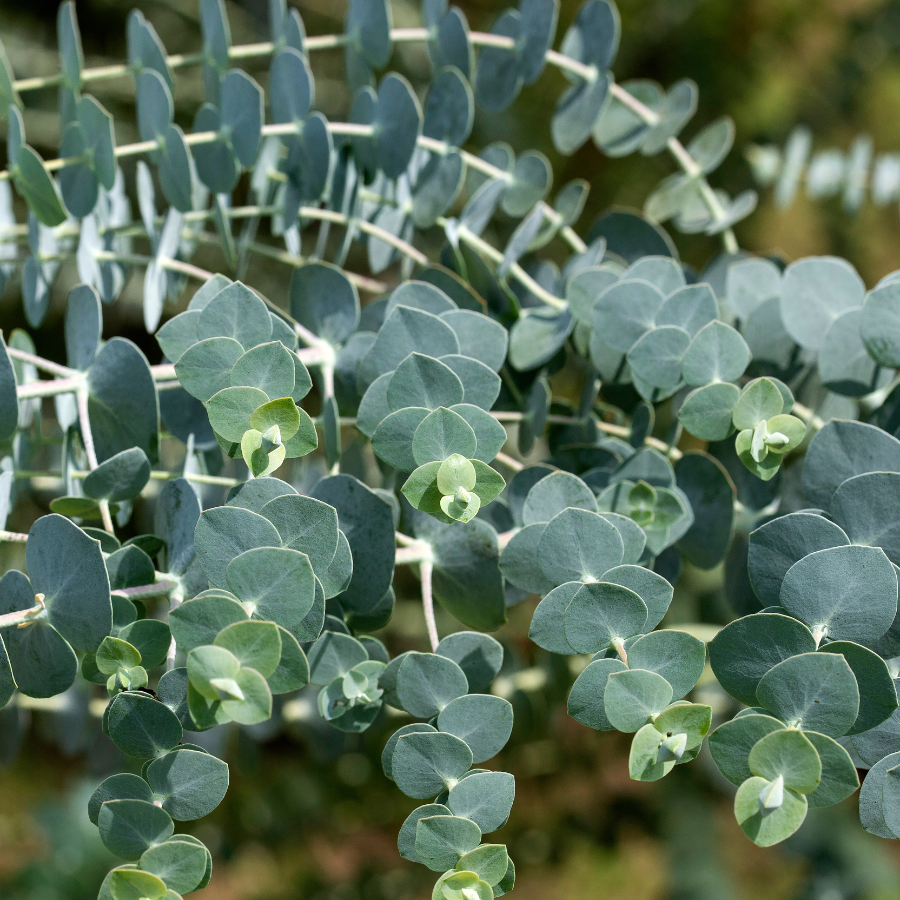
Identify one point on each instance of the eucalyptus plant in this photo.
(746, 415)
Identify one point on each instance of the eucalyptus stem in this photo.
(478, 243)
(49, 388)
(22, 617)
(419, 552)
(160, 588)
(84, 421)
(684, 159)
(482, 165)
(509, 462)
(197, 477)
(413, 553)
(811, 420)
(328, 215)
(163, 372)
(155, 475)
(369, 285)
(621, 431)
(15, 537)
(426, 571)
(173, 265)
(176, 598)
(39, 362)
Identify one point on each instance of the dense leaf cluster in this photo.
(234, 607)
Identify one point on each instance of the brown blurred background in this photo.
(309, 813)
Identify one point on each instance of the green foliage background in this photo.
(306, 818)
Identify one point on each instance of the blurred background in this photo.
(309, 812)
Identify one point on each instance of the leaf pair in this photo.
(448, 483)
(228, 678)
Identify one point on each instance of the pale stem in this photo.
(22, 617)
(473, 240)
(812, 421)
(86, 433)
(328, 215)
(481, 165)
(176, 599)
(620, 650)
(412, 553)
(326, 370)
(327, 380)
(49, 388)
(198, 478)
(45, 365)
(169, 476)
(173, 265)
(560, 60)
(426, 571)
(312, 341)
(145, 591)
(398, 35)
(81, 400)
(163, 372)
(15, 537)
(369, 285)
(351, 129)
(509, 462)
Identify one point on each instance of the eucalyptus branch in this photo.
(15, 537)
(327, 215)
(621, 431)
(684, 159)
(196, 477)
(362, 282)
(417, 552)
(408, 35)
(155, 475)
(176, 598)
(163, 372)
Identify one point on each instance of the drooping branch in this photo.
(414, 35)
